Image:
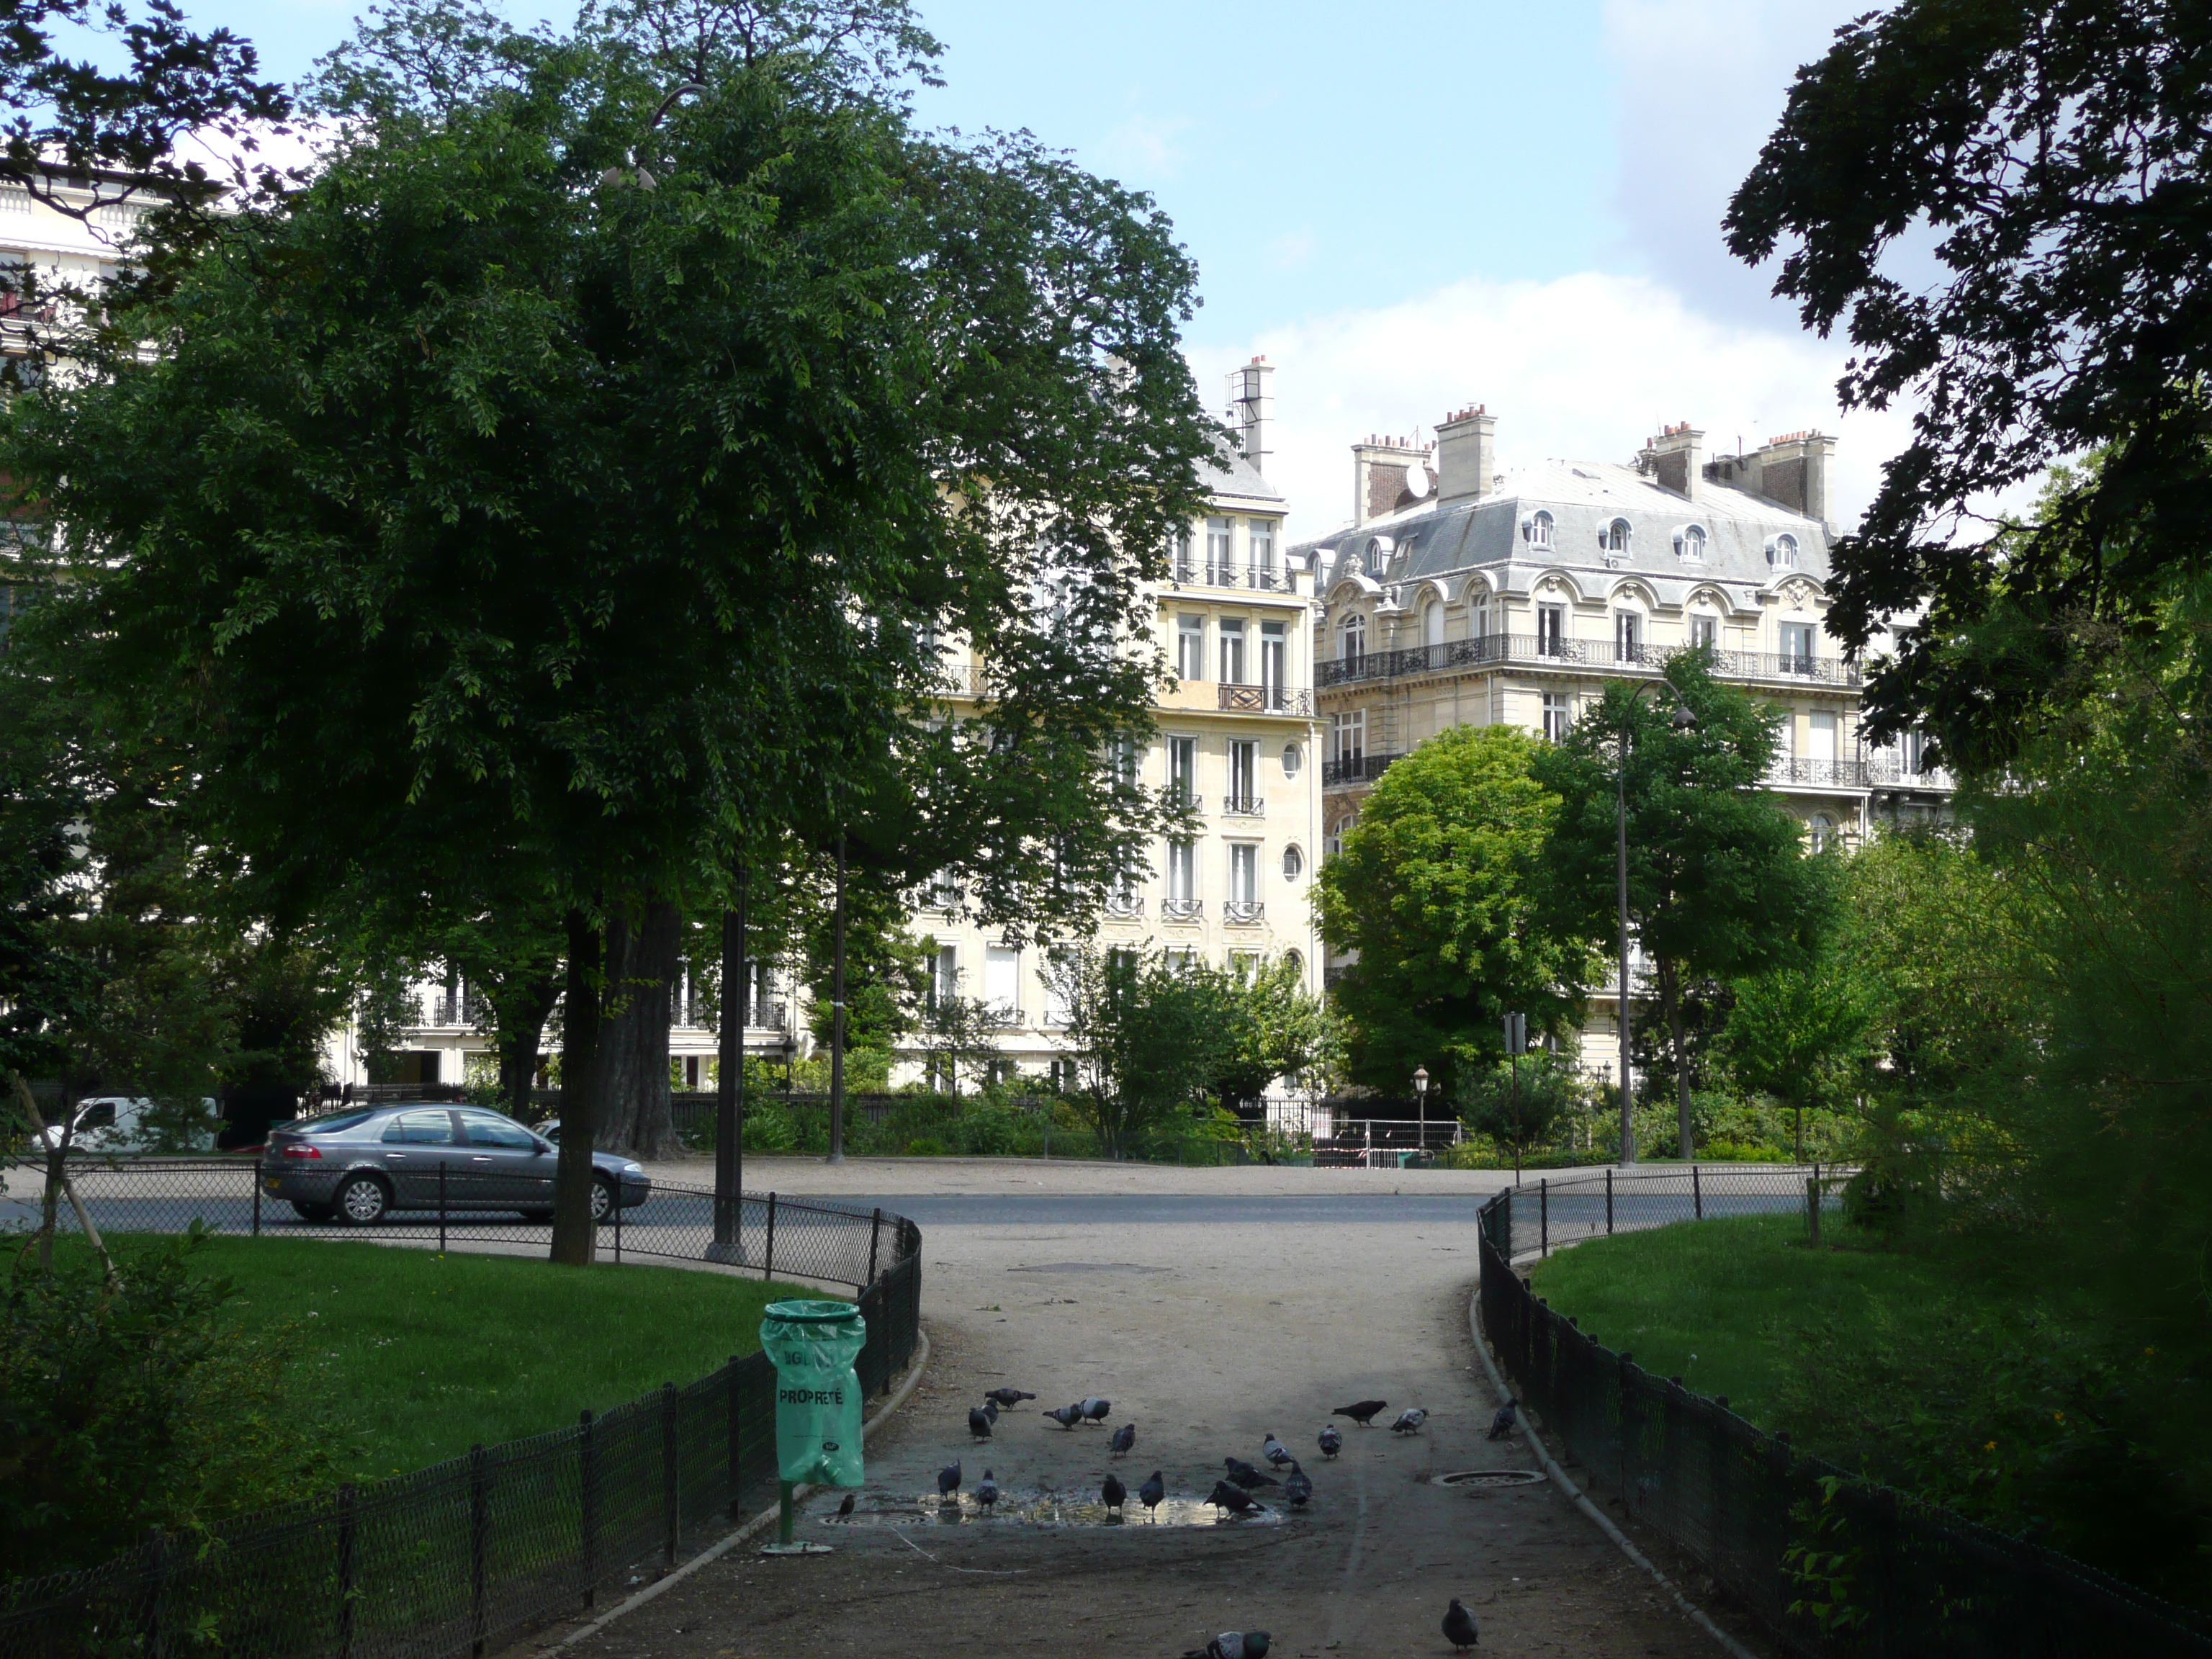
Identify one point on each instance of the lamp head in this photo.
(1421, 1080)
(1684, 719)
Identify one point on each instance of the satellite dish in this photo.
(1417, 481)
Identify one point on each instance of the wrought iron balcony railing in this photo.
(1264, 699)
(1125, 904)
(1544, 651)
(1192, 569)
(1243, 806)
(1177, 909)
(1245, 912)
(1357, 769)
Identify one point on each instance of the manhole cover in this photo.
(1490, 1477)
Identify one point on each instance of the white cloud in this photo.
(1585, 366)
(1149, 147)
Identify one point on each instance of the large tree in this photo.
(2006, 205)
(565, 488)
(1719, 884)
(1435, 891)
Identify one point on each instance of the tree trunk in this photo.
(643, 950)
(525, 1004)
(576, 1239)
(1670, 991)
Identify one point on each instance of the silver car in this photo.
(358, 1166)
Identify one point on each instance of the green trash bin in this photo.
(813, 1345)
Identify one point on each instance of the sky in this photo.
(1412, 210)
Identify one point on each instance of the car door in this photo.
(415, 1144)
(504, 1168)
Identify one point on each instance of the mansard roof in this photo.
(1229, 476)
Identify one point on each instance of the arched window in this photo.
(1478, 616)
(1614, 538)
(1297, 964)
(1351, 640)
(1294, 864)
(1690, 543)
(1433, 624)
(1782, 552)
(1378, 554)
(1823, 831)
(1293, 758)
(1538, 530)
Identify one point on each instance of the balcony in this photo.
(1543, 651)
(1244, 913)
(1263, 699)
(1182, 909)
(1817, 774)
(1354, 769)
(1191, 570)
(1003, 1017)
(1243, 806)
(1124, 905)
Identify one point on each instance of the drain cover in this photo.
(1490, 1477)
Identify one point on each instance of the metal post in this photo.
(737, 1475)
(346, 1524)
(1627, 1088)
(588, 1486)
(1543, 1214)
(875, 1242)
(479, 1542)
(256, 1198)
(1813, 1202)
(1608, 1203)
(768, 1264)
(618, 1220)
(671, 1509)
(441, 1207)
(1697, 1193)
(730, 1084)
(837, 1020)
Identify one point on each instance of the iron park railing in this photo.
(1923, 1582)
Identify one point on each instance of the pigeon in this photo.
(1332, 1440)
(1124, 1440)
(1009, 1398)
(1095, 1410)
(1226, 1497)
(1245, 1475)
(988, 1493)
(845, 1509)
(1298, 1488)
(1115, 1495)
(1459, 1627)
(948, 1479)
(1275, 1451)
(1233, 1645)
(1152, 1492)
(991, 1409)
(1067, 1416)
(978, 1424)
(1362, 1413)
(1410, 1420)
(1503, 1423)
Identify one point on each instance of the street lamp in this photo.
(1684, 721)
(1421, 1094)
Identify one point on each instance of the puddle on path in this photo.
(1041, 1509)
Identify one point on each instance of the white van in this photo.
(116, 1123)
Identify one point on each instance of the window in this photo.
(1551, 630)
(1557, 717)
(1797, 648)
(943, 893)
(944, 976)
(1378, 554)
(1056, 1009)
(1352, 639)
(1614, 537)
(489, 1129)
(1185, 567)
(1274, 661)
(1705, 631)
(1220, 538)
(1244, 878)
(1244, 776)
(1245, 964)
(1293, 758)
(1122, 898)
(1182, 770)
(1432, 625)
(1294, 864)
(1350, 731)
(1125, 760)
(1002, 981)
(1064, 1077)
(1823, 831)
(1627, 636)
(1538, 530)
(1782, 552)
(1915, 748)
(1823, 738)
(1183, 872)
(1262, 532)
(1190, 647)
(421, 1129)
(1477, 619)
(1690, 543)
(1232, 629)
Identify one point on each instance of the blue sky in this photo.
(1436, 204)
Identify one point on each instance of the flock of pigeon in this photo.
(1232, 1495)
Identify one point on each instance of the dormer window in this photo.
(1538, 530)
(1781, 551)
(1614, 537)
(1690, 544)
(1378, 554)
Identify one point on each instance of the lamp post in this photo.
(1421, 1094)
(1684, 721)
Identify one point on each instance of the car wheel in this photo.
(602, 1198)
(312, 1212)
(540, 1216)
(362, 1201)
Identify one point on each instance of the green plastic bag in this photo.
(813, 1345)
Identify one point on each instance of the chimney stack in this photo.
(1379, 467)
(1675, 459)
(1790, 470)
(1252, 410)
(1467, 455)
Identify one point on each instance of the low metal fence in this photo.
(1902, 1579)
(462, 1557)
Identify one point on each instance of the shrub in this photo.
(768, 1129)
(925, 1147)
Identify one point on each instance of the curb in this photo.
(1697, 1614)
(759, 1523)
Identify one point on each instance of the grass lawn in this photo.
(1703, 1299)
(413, 1355)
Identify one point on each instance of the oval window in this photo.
(1294, 864)
(1292, 760)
